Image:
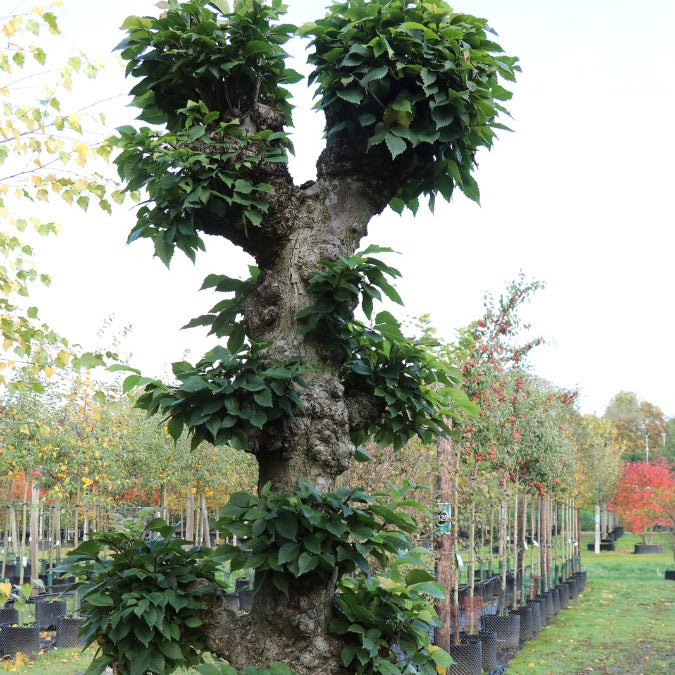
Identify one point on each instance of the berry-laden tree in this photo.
(410, 91)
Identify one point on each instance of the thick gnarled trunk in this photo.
(320, 221)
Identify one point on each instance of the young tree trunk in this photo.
(14, 530)
(34, 531)
(443, 544)
(190, 517)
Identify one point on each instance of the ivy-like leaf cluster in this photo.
(200, 167)
(286, 536)
(201, 174)
(225, 395)
(234, 60)
(417, 77)
(390, 608)
(418, 387)
(225, 317)
(420, 390)
(345, 283)
(139, 599)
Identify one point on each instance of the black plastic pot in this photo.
(488, 639)
(246, 600)
(47, 612)
(507, 629)
(555, 594)
(525, 614)
(548, 610)
(670, 574)
(647, 548)
(580, 578)
(10, 570)
(25, 639)
(8, 616)
(68, 632)
(572, 588)
(468, 657)
(537, 623)
(241, 584)
(564, 592)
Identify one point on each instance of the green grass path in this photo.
(624, 622)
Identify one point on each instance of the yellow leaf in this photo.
(5, 590)
(81, 149)
(24, 429)
(74, 122)
(62, 358)
(37, 180)
(49, 372)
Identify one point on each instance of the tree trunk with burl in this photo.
(393, 133)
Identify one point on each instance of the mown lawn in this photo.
(623, 623)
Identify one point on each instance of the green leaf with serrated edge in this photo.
(351, 95)
(395, 145)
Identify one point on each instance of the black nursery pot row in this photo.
(49, 617)
(478, 653)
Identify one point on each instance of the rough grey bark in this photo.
(320, 220)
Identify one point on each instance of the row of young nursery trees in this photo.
(82, 444)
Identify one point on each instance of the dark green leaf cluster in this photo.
(225, 317)
(140, 603)
(198, 175)
(416, 76)
(227, 60)
(420, 390)
(418, 387)
(226, 394)
(392, 608)
(286, 536)
(345, 283)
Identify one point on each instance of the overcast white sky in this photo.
(579, 196)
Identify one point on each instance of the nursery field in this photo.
(624, 622)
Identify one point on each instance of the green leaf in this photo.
(264, 398)
(374, 74)
(441, 658)
(287, 552)
(362, 455)
(351, 95)
(98, 600)
(306, 563)
(286, 525)
(429, 588)
(395, 144)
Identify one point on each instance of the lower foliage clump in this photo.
(143, 606)
(137, 593)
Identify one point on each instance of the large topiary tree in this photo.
(410, 91)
